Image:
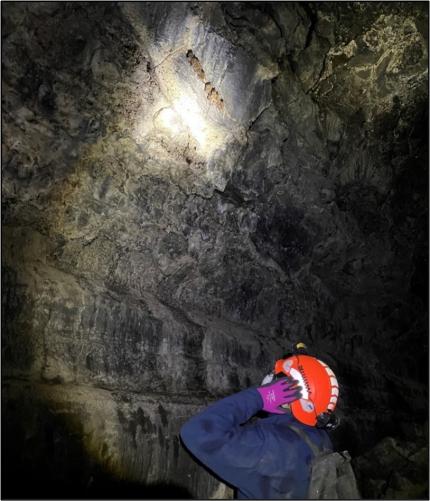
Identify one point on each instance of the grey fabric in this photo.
(332, 476)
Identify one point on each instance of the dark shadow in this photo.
(43, 455)
(117, 489)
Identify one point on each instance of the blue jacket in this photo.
(263, 460)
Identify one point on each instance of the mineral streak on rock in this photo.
(211, 92)
(187, 189)
(195, 63)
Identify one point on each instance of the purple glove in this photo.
(282, 391)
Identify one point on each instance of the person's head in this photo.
(320, 389)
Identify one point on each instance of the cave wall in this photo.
(147, 272)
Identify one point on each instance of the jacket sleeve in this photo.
(216, 438)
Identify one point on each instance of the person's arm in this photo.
(216, 438)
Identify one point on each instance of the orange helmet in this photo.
(320, 389)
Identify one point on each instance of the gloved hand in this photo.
(282, 391)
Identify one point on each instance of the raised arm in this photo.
(216, 438)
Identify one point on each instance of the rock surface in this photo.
(395, 468)
(187, 189)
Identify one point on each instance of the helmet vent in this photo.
(305, 379)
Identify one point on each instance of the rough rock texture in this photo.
(187, 189)
(396, 469)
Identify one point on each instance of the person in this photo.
(268, 458)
